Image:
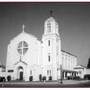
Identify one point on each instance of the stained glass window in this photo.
(22, 47)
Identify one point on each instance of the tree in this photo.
(44, 78)
(50, 78)
(40, 77)
(8, 78)
(31, 78)
(88, 65)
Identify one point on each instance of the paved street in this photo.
(66, 83)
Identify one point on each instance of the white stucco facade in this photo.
(27, 56)
(69, 61)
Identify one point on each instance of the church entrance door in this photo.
(21, 75)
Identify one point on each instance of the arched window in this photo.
(48, 42)
(49, 72)
(49, 58)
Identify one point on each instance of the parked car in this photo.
(73, 77)
(69, 77)
(77, 78)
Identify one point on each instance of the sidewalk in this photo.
(52, 82)
(66, 83)
(74, 81)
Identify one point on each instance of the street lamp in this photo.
(61, 81)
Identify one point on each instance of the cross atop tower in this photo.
(51, 12)
(23, 27)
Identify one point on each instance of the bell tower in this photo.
(51, 26)
(51, 48)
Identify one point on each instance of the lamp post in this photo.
(61, 81)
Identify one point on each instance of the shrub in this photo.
(1, 79)
(31, 78)
(40, 77)
(9, 78)
(44, 78)
(50, 78)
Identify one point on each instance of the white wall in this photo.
(69, 61)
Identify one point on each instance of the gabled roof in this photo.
(23, 34)
(69, 53)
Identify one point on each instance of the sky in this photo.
(73, 20)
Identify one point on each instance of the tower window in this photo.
(50, 72)
(49, 58)
(47, 72)
(48, 42)
(49, 26)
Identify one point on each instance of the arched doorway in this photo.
(21, 75)
(20, 72)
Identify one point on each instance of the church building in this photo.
(30, 59)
